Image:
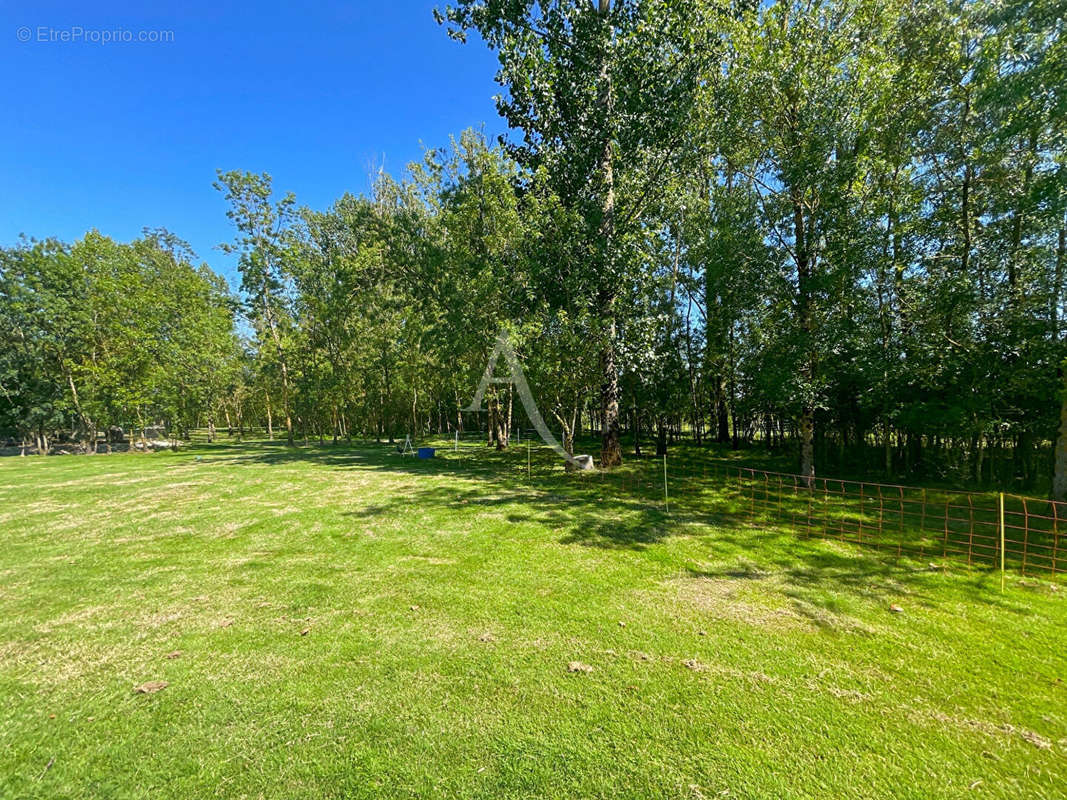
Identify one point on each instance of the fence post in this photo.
(922, 524)
(863, 510)
(1002, 541)
(1026, 531)
(944, 547)
(1055, 535)
(666, 500)
(970, 536)
(811, 499)
(900, 544)
(528, 473)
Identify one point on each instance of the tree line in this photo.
(834, 227)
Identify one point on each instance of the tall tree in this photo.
(602, 93)
(807, 80)
(262, 241)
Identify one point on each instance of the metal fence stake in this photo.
(1002, 541)
(666, 500)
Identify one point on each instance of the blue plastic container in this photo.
(426, 452)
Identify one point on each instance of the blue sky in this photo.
(124, 135)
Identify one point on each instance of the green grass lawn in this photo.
(339, 622)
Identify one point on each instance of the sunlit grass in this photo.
(341, 622)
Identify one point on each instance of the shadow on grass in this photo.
(625, 510)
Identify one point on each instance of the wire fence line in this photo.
(1021, 534)
(1024, 535)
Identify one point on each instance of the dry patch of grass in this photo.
(743, 600)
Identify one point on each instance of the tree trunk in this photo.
(1024, 454)
(414, 412)
(500, 432)
(610, 448)
(1059, 479)
(1020, 211)
(694, 392)
(722, 413)
(568, 429)
(90, 426)
(271, 324)
(965, 189)
(805, 323)
(888, 455)
(507, 423)
(807, 444)
(979, 458)
(1057, 283)
(661, 437)
(285, 404)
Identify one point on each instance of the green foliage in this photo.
(111, 334)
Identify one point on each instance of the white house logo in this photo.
(518, 380)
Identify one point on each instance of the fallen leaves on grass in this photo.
(992, 729)
(150, 687)
(173, 654)
(1036, 739)
(47, 767)
(853, 695)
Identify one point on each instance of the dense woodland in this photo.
(837, 228)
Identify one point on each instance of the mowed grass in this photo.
(339, 622)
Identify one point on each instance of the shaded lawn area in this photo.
(340, 622)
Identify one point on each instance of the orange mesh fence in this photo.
(910, 521)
